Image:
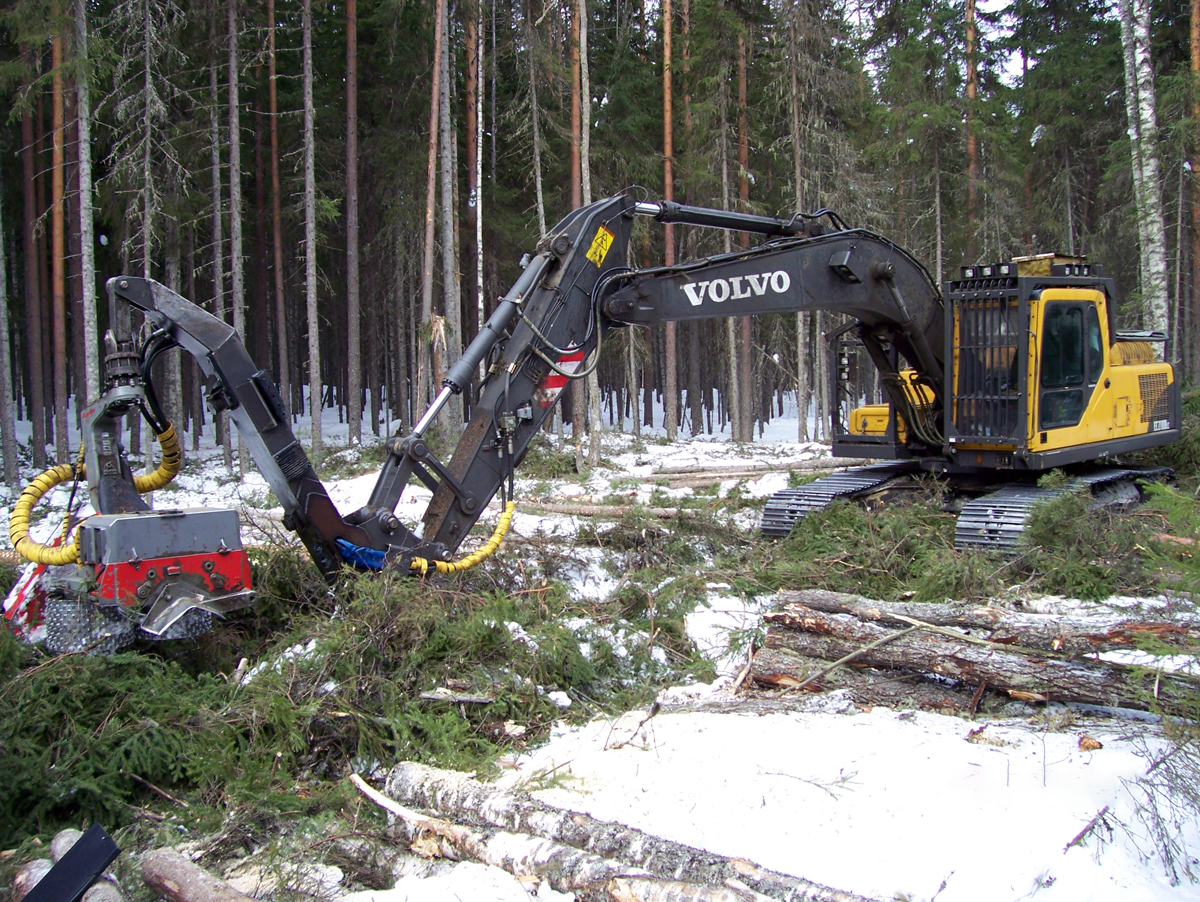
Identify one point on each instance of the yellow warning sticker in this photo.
(600, 245)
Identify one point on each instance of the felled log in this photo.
(567, 869)
(1069, 633)
(466, 799)
(30, 876)
(809, 465)
(179, 879)
(616, 511)
(1025, 676)
(779, 668)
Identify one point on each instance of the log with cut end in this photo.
(594, 870)
(179, 879)
(463, 798)
(1069, 634)
(1026, 676)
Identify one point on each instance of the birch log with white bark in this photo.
(1065, 634)
(466, 799)
(1025, 676)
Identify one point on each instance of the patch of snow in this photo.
(886, 804)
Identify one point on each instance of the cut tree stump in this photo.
(179, 879)
(1026, 676)
(465, 799)
(1070, 633)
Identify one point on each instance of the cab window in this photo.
(1071, 362)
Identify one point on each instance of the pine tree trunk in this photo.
(281, 324)
(535, 114)
(745, 324)
(937, 203)
(670, 361)
(221, 420)
(87, 242)
(353, 321)
(236, 260)
(803, 390)
(1194, 159)
(172, 361)
(452, 415)
(8, 425)
(733, 399)
(972, 149)
(480, 305)
(585, 171)
(310, 237)
(33, 294)
(424, 358)
(58, 253)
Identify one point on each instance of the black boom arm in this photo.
(546, 331)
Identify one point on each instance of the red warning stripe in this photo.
(556, 382)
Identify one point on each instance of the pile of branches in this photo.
(1029, 656)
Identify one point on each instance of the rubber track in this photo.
(997, 521)
(787, 506)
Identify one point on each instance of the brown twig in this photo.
(162, 792)
(1091, 825)
(890, 637)
(976, 697)
(654, 709)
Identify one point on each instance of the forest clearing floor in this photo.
(600, 663)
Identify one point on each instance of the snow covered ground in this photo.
(889, 804)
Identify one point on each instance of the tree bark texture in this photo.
(8, 441)
(1143, 140)
(58, 253)
(281, 330)
(424, 355)
(451, 333)
(310, 236)
(670, 361)
(218, 234)
(1026, 676)
(353, 317)
(87, 241)
(179, 879)
(745, 324)
(972, 147)
(465, 799)
(1064, 634)
(33, 292)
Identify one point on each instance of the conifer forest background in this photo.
(353, 184)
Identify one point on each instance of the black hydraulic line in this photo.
(668, 211)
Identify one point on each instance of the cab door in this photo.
(1070, 369)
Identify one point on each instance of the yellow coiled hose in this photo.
(58, 555)
(422, 565)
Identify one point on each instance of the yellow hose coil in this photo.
(168, 467)
(58, 555)
(422, 565)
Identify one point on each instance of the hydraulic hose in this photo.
(58, 555)
(18, 523)
(423, 565)
(168, 467)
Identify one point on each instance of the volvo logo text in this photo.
(737, 287)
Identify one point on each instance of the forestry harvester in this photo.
(1010, 370)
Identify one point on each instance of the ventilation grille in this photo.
(986, 391)
(1156, 400)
